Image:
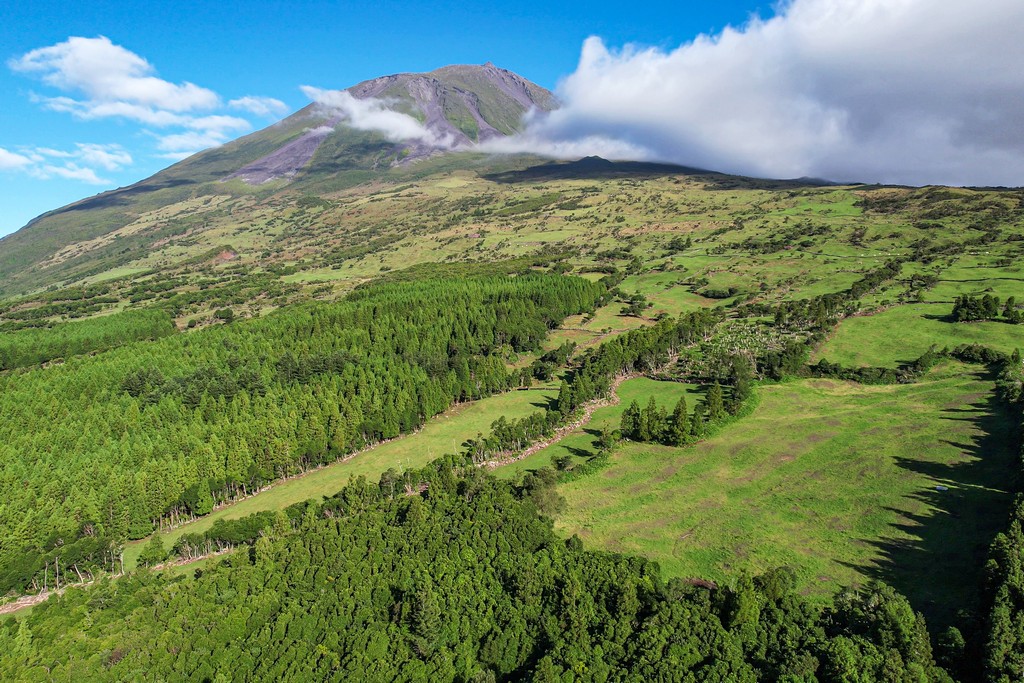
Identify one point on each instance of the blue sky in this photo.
(883, 91)
(269, 49)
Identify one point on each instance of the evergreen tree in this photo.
(630, 423)
(678, 424)
(606, 440)
(648, 429)
(154, 551)
(715, 403)
(698, 425)
(1010, 311)
(565, 402)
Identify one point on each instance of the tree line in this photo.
(461, 580)
(104, 448)
(36, 345)
(969, 308)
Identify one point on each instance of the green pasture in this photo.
(579, 445)
(836, 480)
(902, 333)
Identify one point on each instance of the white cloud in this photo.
(103, 80)
(190, 141)
(70, 171)
(10, 161)
(88, 111)
(109, 157)
(372, 114)
(175, 156)
(105, 72)
(219, 123)
(203, 133)
(79, 164)
(914, 91)
(261, 106)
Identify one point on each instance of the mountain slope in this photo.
(312, 150)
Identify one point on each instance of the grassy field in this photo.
(443, 434)
(834, 479)
(580, 444)
(903, 333)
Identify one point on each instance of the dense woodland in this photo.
(35, 345)
(445, 573)
(163, 430)
(463, 582)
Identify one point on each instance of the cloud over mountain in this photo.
(914, 91)
(373, 114)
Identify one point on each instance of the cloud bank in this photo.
(907, 91)
(102, 80)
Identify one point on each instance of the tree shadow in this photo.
(579, 452)
(935, 555)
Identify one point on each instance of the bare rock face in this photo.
(285, 161)
(460, 105)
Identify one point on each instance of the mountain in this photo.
(313, 151)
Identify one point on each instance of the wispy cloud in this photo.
(261, 106)
(371, 114)
(70, 171)
(915, 91)
(11, 161)
(80, 163)
(101, 80)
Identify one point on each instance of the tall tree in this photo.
(630, 422)
(678, 424)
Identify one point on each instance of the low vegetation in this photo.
(766, 431)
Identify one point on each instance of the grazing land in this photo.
(835, 480)
(901, 334)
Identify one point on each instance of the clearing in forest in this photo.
(839, 481)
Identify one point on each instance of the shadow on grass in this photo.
(938, 562)
(579, 452)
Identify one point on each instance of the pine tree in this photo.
(204, 500)
(154, 552)
(716, 405)
(678, 425)
(565, 403)
(697, 423)
(648, 431)
(630, 424)
(1010, 311)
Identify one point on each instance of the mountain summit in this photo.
(454, 107)
(320, 148)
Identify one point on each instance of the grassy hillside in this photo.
(690, 283)
(837, 481)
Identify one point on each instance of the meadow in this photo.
(902, 333)
(579, 444)
(841, 482)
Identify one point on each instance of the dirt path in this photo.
(26, 601)
(30, 600)
(564, 430)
